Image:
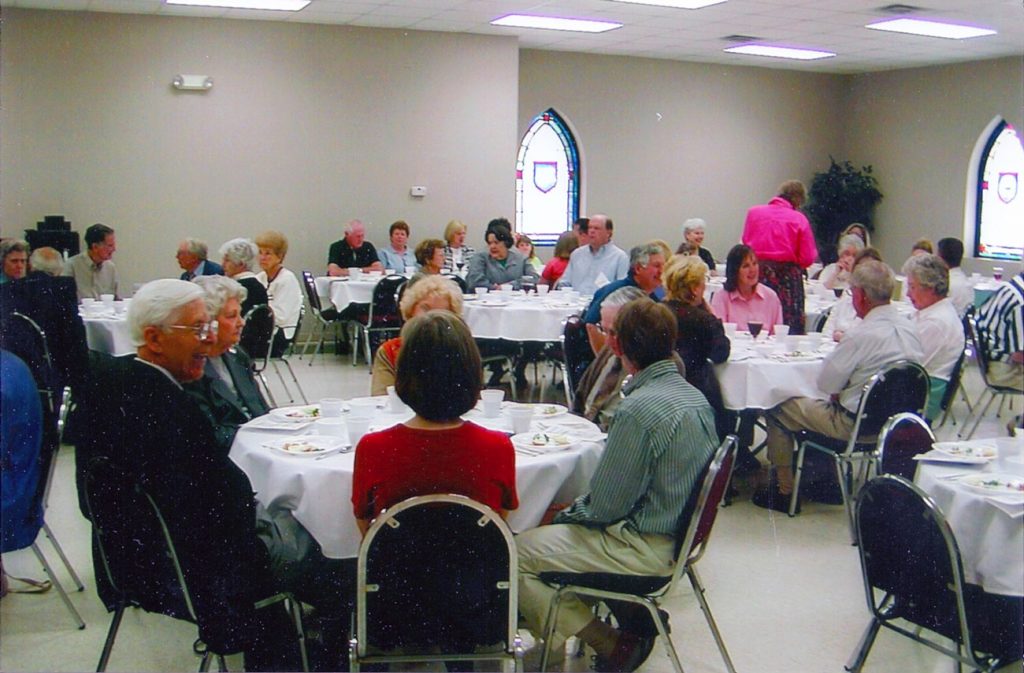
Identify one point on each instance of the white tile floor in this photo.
(787, 593)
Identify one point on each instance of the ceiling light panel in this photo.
(951, 31)
(279, 5)
(555, 23)
(677, 4)
(779, 52)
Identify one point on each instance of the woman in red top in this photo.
(439, 376)
(555, 267)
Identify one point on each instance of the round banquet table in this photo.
(750, 380)
(108, 334)
(521, 318)
(319, 492)
(342, 291)
(989, 529)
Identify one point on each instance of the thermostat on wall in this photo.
(418, 190)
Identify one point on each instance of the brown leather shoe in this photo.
(630, 652)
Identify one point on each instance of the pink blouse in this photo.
(763, 306)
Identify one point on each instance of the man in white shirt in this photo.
(951, 251)
(882, 338)
(599, 262)
(93, 270)
(937, 321)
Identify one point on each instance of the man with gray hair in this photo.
(137, 415)
(937, 321)
(353, 251)
(46, 260)
(192, 260)
(883, 338)
(93, 269)
(598, 262)
(646, 262)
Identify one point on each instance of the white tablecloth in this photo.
(757, 382)
(991, 541)
(108, 335)
(319, 492)
(531, 318)
(341, 291)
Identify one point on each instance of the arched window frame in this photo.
(550, 118)
(976, 184)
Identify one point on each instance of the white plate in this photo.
(300, 414)
(995, 484)
(536, 443)
(307, 446)
(977, 451)
(269, 422)
(940, 457)
(469, 297)
(542, 411)
(491, 302)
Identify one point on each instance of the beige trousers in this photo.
(802, 413)
(1006, 374)
(575, 548)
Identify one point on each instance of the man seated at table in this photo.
(645, 265)
(937, 321)
(951, 250)
(352, 251)
(45, 260)
(1001, 331)
(660, 440)
(883, 338)
(192, 259)
(138, 415)
(227, 392)
(93, 270)
(599, 261)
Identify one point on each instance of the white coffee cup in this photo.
(521, 418)
(395, 403)
(332, 427)
(792, 342)
(108, 300)
(354, 272)
(87, 302)
(480, 291)
(330, 407)
(357, 427)
(543, 289)
(362, 407)
(389, 271)
(492, 402)
(730, 329)
(781, 331)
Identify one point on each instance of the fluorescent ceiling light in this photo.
(680, 4)
(283, 5)
(780, 52)
(555, 23)
(952, 31)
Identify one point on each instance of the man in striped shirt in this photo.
(660, 440)
(1001, 330)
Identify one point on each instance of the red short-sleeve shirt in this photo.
(401, 462)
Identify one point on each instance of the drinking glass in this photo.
(997, 273)
(755, 328)
(528, 284)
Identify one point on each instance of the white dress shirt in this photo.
(883, 337)
(942, 337)
(585, 266)
(285, 296)
(960, 291)
(842, 317)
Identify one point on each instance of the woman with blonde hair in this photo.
(283, 289)
(426, 294)
(456, 252)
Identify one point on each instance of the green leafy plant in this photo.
(839, 197)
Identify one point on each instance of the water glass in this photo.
(997, 273)
(354, 272)
(331, 427)
(395, 403)
(330, 407)
(492, 402)
(781, 331)
(357, 427)
(521, 418)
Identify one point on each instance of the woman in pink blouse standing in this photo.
(744, 299)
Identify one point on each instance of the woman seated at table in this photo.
(836, 276)
(701, 336)
(555, 267)
(425, 294)
(430, 257)
(238, 257)
(283, 290)
(693, 240)
(435, 452)
(525, 246)
(842, 316)
(397, 256)
(502, 263)
(227, 393)
(743, 299)
(456, 252)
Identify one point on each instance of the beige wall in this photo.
(918, 128)
(663, 141)
(306, 127)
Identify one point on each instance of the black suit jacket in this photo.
(225, 409)
(156, 435)
(207, 269)
(257, 294)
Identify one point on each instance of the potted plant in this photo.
(839, 197)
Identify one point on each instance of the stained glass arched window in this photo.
(998, 233)
(547, 179)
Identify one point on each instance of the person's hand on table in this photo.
(837, 335)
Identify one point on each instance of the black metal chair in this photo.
(325, 317)
(277, 360)
(577, 353)
(459, 280)
(424, 553)
(383, 320)
(955, 384)
(255, 341)
(902, 437)
(696, 522)
(1003, 392)
(899, 387)
(124, 517)
(913, 571)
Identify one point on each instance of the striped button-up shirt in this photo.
(660, 439)
(1000, 321)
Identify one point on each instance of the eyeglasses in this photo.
(202, 332)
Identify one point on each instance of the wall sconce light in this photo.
(192, 82)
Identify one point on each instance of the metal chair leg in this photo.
(108, 644)
(549, 628)
(794, 498)
(860, 655)
(266, 388)
(981, 413)
(63, 557)
(698, 589)
(57, 585)
(295, 379)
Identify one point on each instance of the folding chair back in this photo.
(384, 318)
(911, 567)
(902, 437)
(436, 571)
(257, 335)
(24, 337)
(309, 284)
(576, 349)
(459, 280)
(899, 387)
